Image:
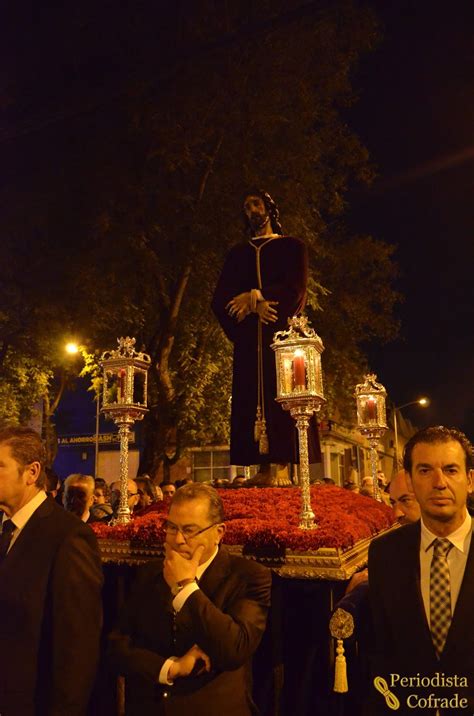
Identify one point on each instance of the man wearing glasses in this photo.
(192, 623)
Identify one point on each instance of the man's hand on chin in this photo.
(194, 662)
(178, 567)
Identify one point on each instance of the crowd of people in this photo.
(185, 636)
(96, 500)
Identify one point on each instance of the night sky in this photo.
(415, 115)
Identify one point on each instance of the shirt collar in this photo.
(457, 538)
(202, 567)
(21, 517)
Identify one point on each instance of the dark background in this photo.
(415, 115)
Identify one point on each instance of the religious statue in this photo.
(262, 284)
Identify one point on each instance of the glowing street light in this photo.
(424, 402)
(71, 348)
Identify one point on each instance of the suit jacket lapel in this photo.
(22, 542)
(214, 575)
(410, 587)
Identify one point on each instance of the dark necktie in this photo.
(8, 528)
(440, 594)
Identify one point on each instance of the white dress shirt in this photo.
(457, 558)
(178, 603)
(21, 517)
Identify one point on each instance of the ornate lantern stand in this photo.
(372, 420)
(300, 390)
(124, 401)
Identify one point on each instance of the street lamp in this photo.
(424, 402)
(71, 348)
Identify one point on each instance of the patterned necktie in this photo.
(8, 528)
(440, 594)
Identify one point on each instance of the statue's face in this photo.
(256, 212)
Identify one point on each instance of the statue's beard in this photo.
(257, 221)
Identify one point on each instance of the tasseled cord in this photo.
(341, 626)
(340, 671)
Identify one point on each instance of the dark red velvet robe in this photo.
(284, 270)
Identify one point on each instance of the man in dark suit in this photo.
(422, 586)
(188, 632)
(50, 590)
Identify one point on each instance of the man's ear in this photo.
(469, 480)
(32, 472)
(220, 532)
(409, 481)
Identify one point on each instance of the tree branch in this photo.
(167, 341)
(207, 172)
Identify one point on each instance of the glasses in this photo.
(187, 532)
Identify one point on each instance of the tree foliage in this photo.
(241, 97)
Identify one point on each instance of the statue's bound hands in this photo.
(266, 312)
(239, 306)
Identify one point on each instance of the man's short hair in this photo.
(86, 481)
(26, 447)
(198, 491)
(437, 434)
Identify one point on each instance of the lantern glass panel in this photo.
(139, 383)
(369, 409)
(299, 370)
(115, 392)
(285, 376)
(315, 372)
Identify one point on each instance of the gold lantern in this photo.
(372, 420)
(124, 401)
(300, 390)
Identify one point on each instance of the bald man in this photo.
(403, 500)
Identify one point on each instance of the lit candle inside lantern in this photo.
(370, 410)
(299, 369)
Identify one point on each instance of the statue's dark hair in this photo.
(270, 206)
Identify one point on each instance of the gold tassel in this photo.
(340, 672)
(263, 446)
(257, 429)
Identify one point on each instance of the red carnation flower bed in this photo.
(267, 519)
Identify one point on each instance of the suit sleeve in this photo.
(126, 656)
(230, 638)
(76, 608)
(381, 644)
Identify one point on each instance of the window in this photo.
(210, 465)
